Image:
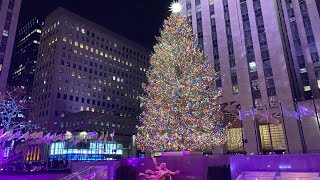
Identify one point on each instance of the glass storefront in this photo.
(89, 151)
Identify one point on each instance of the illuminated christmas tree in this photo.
(180, 109)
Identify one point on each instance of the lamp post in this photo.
(269, 129)
(316, 112)
(284, 128)
(304, 147)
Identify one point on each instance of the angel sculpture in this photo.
(161, 172)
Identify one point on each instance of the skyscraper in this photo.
(264, 53)
(9, 15)
(82, 66)
(25, 56)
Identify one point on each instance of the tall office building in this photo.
(264, 52)
(9, 15)
(25, 56)
(82, 66)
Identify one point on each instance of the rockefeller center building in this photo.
(266, 56)
(84, 68)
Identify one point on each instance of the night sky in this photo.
(137, 20)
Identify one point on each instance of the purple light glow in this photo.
(282, 163)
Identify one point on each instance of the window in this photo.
(255, 85)
(235, 89)
(277, 137)
(258, 103)
(307, 88)
(234, 142)
(252, 66)
(273, 101)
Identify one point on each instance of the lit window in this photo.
(318, 81)
(277, 137)
(73, 73)
(307, 88)
(83, 31)
(106, 55)
(92, 49)
(101, 53)
(97, 51)
(235, 89)
(81, 108)
(70, 41)
(92, 109)
(38, 30)
(114, 78)
(234, 142)
(77, 28)
(87, 108)
(87, 47)
(76, 43)
(81, 46)
(303, 70)
(64, 39)
(5, 33)
(252, 66)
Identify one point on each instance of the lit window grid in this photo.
(58, 148)
(278, 139)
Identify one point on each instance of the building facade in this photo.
(9, 15)
(266, 55)
(25, 56)
(82, 66)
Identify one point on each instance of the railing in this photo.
(81, 173)
(273, 175)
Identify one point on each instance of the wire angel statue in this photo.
(161, 172)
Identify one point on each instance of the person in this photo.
(161, 172)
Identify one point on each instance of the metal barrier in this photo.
(273, 175)
(90, 172)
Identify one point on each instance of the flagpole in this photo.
(255, 130)
(304, 147)
(241, 127)
(284, 128)
(316, 112)
(269, 129)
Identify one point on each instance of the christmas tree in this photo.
(180, 109)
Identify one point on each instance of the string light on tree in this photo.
(180, 109)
